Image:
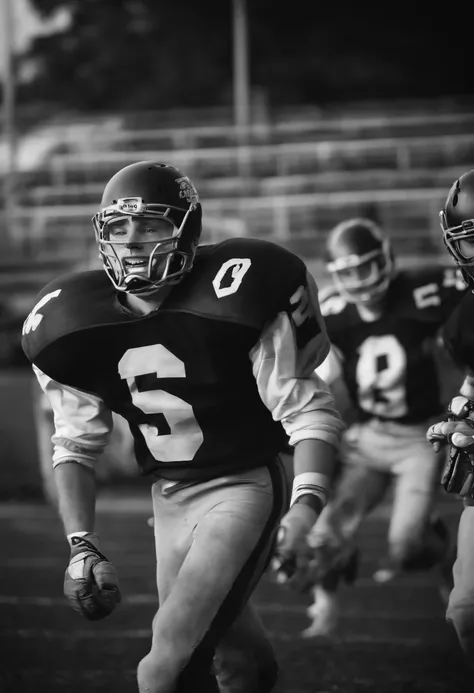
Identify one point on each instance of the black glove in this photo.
(292, 553)
(90, 582)
(458, 472)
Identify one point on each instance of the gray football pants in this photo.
(213, 541)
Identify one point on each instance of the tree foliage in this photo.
(143, 54)
(134, 54)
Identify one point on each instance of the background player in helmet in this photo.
(457, 224)
(382, 323)
(209, 354)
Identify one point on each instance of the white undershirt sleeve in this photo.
(82, 422)
(296, 396)
(331, 369)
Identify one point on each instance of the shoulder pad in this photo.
(243, 279)
(70, 303)
(447, 277)
(272, 258)
(431, 287)
(452, 277)
(458, 333)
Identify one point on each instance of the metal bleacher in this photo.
(289, 180)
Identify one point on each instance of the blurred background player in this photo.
(382, 322)
(209, 353)
(457, 223)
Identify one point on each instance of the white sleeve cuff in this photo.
(62, 455)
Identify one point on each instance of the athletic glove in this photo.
(458, 473)
(90, 582)
(459, 423)
(332, 555)
(292, 557)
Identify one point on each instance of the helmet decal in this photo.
(131, 205)
(457, 190)
(188, 191)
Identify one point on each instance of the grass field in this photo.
(392, 638)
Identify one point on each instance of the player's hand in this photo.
(90, 582)
(293, 554)
(458, 433)
(460, 423)
(330, 552)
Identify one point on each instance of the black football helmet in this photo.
(149, 189)
(360, 260)
(457, 224)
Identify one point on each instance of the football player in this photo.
(209, 353)
(457, 224)
(382, 322)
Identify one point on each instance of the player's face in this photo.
(362, 280)
(134, 240)
(363, 274)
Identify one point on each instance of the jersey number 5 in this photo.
(182, 436)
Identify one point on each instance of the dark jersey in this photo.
(182, 375)
(458, 333)
(388, 363)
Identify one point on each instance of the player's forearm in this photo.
(314, 455)
(76, 496)
(313, 465)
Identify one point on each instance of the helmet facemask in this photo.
(453, 237)
(167, 262)
(363, 278)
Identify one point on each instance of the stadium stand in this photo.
(289, 179)
(291, 176)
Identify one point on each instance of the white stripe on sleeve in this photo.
(304, 405)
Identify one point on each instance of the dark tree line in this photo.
(146, 54)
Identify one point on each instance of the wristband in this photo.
(312, 484)
(90, 536)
